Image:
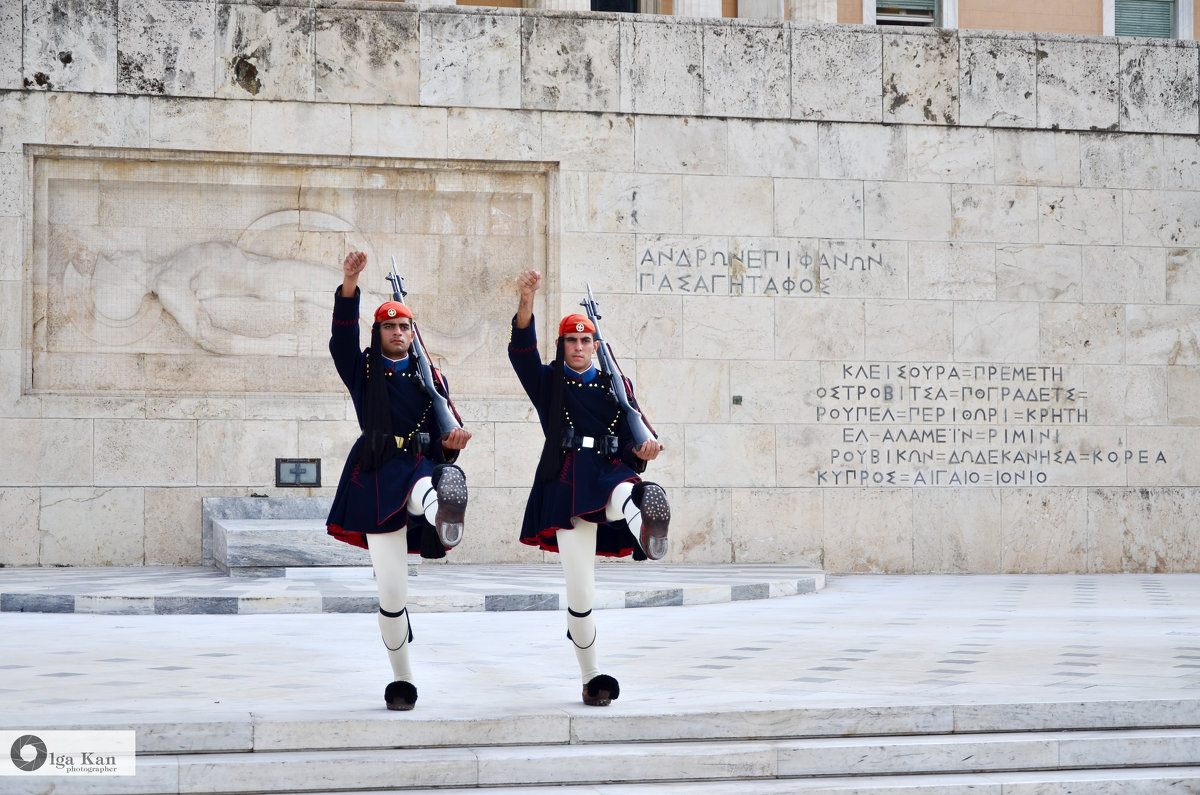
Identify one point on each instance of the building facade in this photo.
(897, 300)
(1142, 18)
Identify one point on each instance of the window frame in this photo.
(1183, 21)
(945, 14)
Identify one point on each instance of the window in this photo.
(920, 13)
(627, 6)
(913, 13)
(1152, 18)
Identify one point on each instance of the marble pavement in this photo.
(888, 654)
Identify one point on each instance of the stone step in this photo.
(1102, 781)
(797, 761)
(269, 731)
(438, 587)
(269, 546)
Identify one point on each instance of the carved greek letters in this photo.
(748, 271)
(960, 425)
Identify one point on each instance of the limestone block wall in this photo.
(897, 301)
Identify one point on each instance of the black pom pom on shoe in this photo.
(601, 691)
(400, 696)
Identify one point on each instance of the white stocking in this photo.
(577, 551)
(389, 557)
(620, 506)
(423, 500)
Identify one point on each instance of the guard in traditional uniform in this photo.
(587, 498)
(400, 491)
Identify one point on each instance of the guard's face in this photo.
(395, 336)
(578, 350)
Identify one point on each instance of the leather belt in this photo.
(604, 445)
(418, 444)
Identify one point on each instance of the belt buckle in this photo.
(587, 442)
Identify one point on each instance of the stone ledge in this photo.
(527, 59)
(436, 588)
(266, 546)
(283, 730)
(246, 508)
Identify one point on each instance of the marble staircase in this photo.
(1001, 748)
(936, 685)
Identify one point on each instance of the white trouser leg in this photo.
(389, 557)
(577, 551)
(423, 500)
(620, 506)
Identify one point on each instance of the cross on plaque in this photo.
(296, 471)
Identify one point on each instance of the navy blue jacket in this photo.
(374, 501)
(588, 477)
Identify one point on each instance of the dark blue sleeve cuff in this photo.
(345, 309)
(523, 339)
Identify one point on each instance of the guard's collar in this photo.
(587, 376)
(395, 365)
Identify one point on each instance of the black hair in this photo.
(378, 442)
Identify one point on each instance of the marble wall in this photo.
(896, 301)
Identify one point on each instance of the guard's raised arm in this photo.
(352, 266)
(528, 283)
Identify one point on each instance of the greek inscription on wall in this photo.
(748, 271)
(958, 425)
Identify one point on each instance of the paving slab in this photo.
(156, 590)
(866, 654)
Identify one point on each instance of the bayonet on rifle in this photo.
(608, 362)
(446, 417)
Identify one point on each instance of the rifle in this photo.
(447, 418)
(641, 430)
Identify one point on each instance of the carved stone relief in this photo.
(217, 276)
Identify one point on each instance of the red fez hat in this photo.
(575, 324)
(391, 309)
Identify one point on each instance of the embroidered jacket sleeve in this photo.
(343, 341)
(527, 363)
